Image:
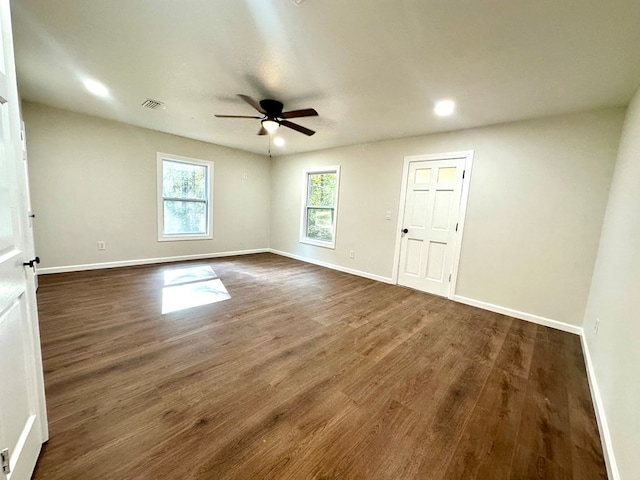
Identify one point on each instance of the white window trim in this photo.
(303, 220)
(160, 201)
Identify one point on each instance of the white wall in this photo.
(537, 199)
(614, 299)
(94, 179)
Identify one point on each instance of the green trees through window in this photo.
(184, 190)
(185, 198)
(322, 191)
(320, 208)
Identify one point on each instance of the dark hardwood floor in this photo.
(305, 373)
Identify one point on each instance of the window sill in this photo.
(318, 243)
(181, 238)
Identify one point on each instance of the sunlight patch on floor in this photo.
(191, 287)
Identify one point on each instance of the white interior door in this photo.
(22, 409)
(429, 224)
(29, 247)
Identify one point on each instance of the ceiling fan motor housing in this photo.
(272, 107)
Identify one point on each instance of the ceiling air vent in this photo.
(152, 104)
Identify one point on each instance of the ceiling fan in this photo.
(273, 116)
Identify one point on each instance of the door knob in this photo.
(405, 230)
(30, 263)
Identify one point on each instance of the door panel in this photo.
(13, 358)
(413, 257)
(419, 209)
(436, 260)
(442, 209)
(423, 175)
(447, 174)
(432, 204)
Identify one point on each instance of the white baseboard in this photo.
(332, 266)
(529, 317)
(603, 426)
(145, 261)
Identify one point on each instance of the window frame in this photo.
(162, 237)
(307, 172)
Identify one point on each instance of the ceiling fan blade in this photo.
(297, 128)
(236, 116)
(263, 131)
(306, 112)
(252, 102)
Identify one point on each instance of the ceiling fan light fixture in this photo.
(270, 125)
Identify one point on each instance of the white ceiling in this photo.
(371, 68)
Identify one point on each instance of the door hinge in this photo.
(449, 277)
(4, 459)
(456, 227)
(463, 172)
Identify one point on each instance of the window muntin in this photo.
(320, 206)
(184, 198)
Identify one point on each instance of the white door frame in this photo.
(467, 155)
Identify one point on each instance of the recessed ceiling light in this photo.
(96, 88)
(444, 107)
(278, 141)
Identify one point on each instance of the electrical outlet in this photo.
(596, 326)
(352, 254)
(387, 216)
(102, 245)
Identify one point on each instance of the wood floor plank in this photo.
(517, 350)
(304, 373)
(545, 430)
(528, 465)
(486, 447)
(453, 403)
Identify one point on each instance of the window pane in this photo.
(183, 180)
(322, 189)
(320, 223)
(185, 217)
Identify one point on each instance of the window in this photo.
(184, 198)
(320, 206)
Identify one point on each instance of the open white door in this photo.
(23, 425)
(29, 247)
(430, 222)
